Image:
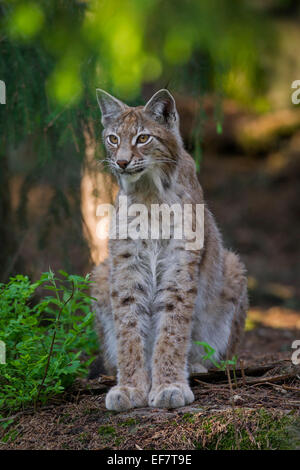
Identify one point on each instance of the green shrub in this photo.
(48, 342)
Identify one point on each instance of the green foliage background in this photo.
(55, 53)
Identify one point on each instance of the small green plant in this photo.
(48, 342)
(209, 356)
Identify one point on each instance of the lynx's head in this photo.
(141, 142)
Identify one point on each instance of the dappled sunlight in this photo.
(274, 317)
(136, 41)
(26, 21)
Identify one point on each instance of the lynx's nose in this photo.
(122, 163)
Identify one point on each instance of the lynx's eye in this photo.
(113, 139)
(142, 138)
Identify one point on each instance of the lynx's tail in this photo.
(235, 291)
(106, 361)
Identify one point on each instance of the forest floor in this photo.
(260, 410)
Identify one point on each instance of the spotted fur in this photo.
(155, 298)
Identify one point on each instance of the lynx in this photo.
(155, 298)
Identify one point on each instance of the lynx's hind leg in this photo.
(220, 323)
(103, 316)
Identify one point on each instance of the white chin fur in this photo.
(131, 178)
(127, 180)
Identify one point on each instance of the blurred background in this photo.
(230, 64)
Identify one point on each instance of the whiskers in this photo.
(137, 166)
(104, 160)
(164, 160)
(107, 162)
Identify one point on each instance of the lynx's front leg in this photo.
(127, 297)
(177, 295)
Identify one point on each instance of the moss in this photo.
(248, 430)
(109, 436)
(107, 431)
(118, 441)
(129, 422)
(188, 417)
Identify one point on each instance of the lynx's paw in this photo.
(198, 368)
(171, 396)
(121, 398)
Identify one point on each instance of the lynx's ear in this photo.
(109, 105)
(162, 108)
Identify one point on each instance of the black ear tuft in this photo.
(162, 108)
(109, 105)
